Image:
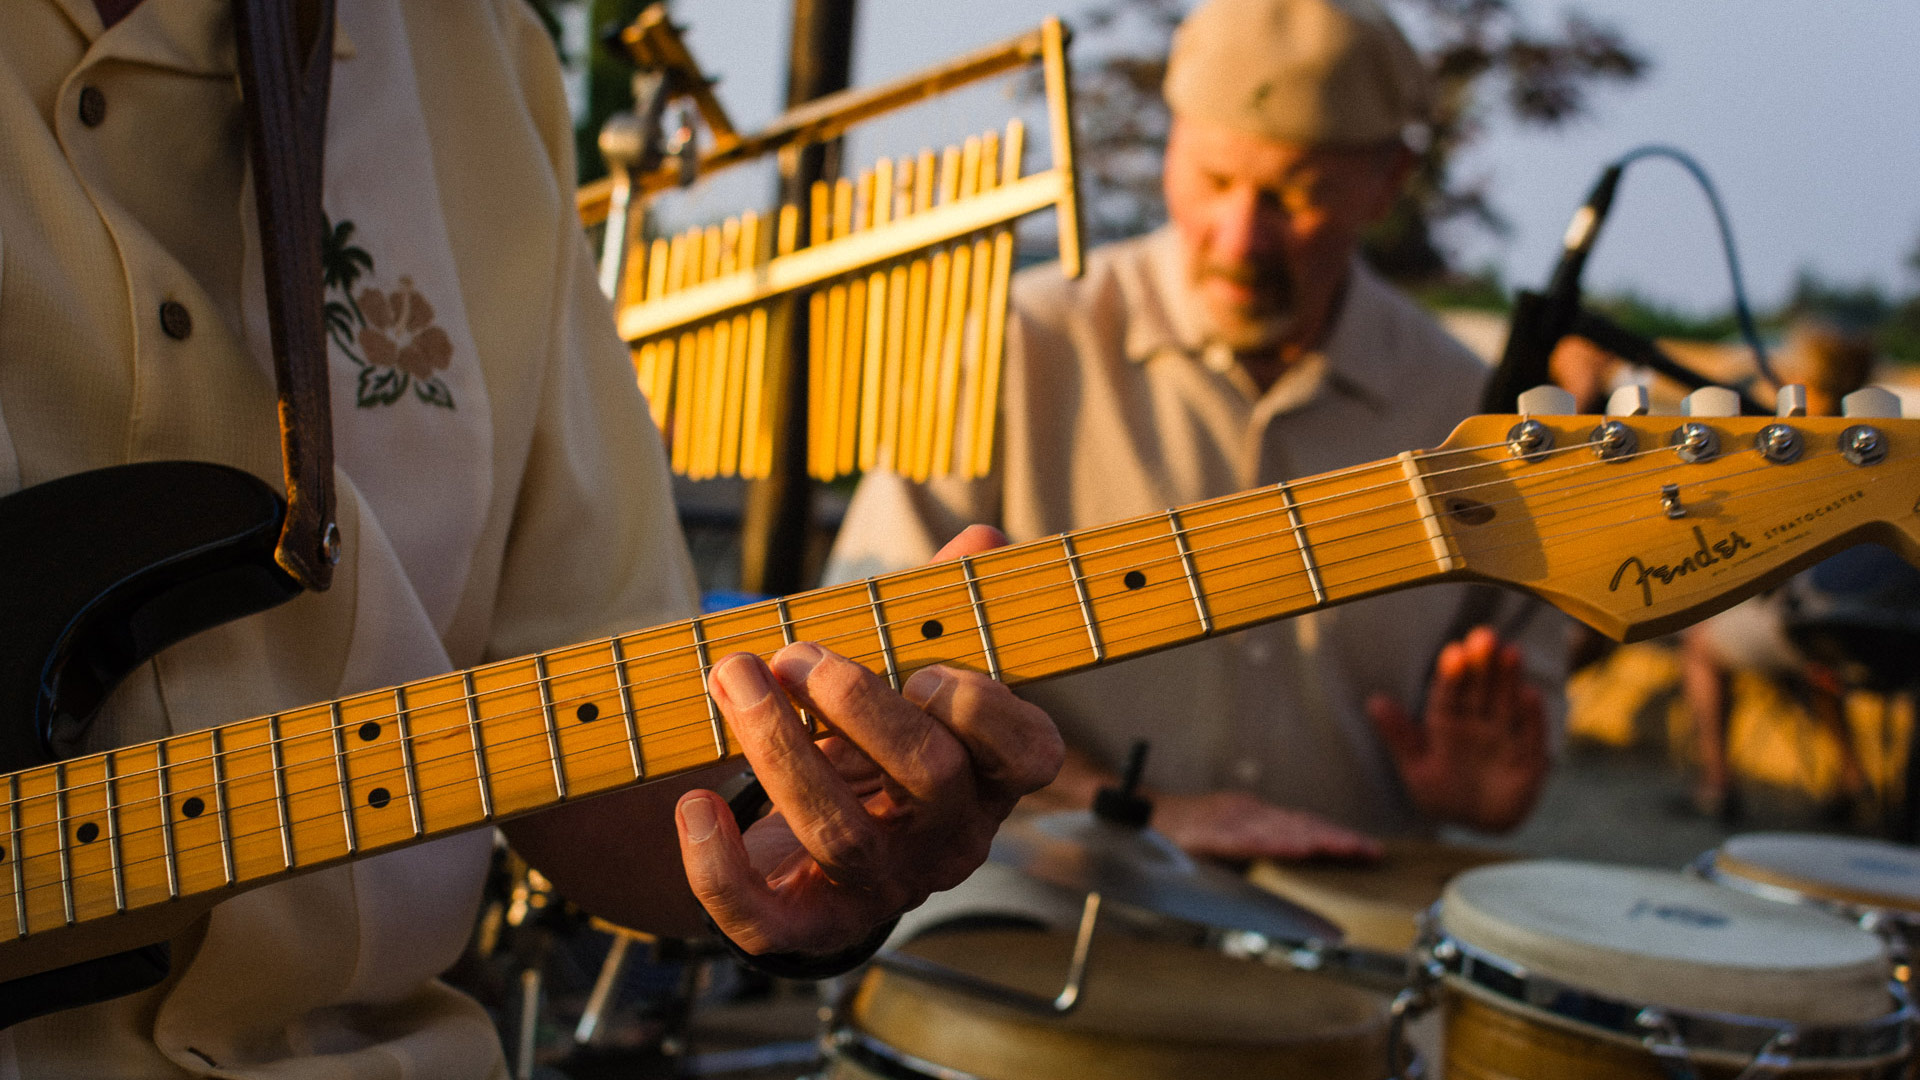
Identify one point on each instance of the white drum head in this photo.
(1651, 937)
(1851, 870)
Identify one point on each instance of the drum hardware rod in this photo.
(595, 1014)
(1070, 996)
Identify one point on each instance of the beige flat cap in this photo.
(1312, 71)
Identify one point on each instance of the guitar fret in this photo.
(1193, 573)
(786, 637)
(479, 747)
(980, 618)
(219, 761)
(1086, 602)
(706, 665)
(113, 834)
(66, 856)
(280, 789)
(553, 725)
(886, 639)
(1306, 549)
(346, 789)
(163, 780)
(19, 869)
(620, 679)
(1443, 556)
(403, 726)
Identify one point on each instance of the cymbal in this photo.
(1141, 868)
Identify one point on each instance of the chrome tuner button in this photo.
(1711, 401)
(1863, 444)
(1791, 401)
(1695, 443)
(1547, 400)
(1529, 439)
(1779, 443)
(1629, 400)
(1613, 440)
(1871, 403)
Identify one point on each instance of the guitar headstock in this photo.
(1639, 525)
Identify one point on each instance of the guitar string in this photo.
(617, 747)
(860, 634)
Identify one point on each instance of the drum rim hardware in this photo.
(1670, 1033)
(1876, 918)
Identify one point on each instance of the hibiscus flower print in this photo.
(390, 335)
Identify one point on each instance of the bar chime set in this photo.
(904, 270)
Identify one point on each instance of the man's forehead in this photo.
(1229, 151)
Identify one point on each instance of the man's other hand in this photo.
(902, 801)
(1239, 826)
(1479, 755)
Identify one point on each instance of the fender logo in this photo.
(1700, 558)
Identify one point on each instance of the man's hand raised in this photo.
(1478, 757)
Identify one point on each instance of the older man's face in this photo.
(1268, 227)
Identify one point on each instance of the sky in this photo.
(1806, 116)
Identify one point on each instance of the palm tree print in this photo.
(389, 336)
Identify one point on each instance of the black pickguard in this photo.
(98, 572)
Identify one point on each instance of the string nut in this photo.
(1779, 443)
(1613, 441)
(1863, 444)
(1529, 439)
(1695, 443)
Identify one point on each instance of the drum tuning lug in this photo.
(1791, 401)
(1778, 443)
(1711, 401)
(1613, 441)
(1529, 439)
(1863, 444)
(1871, 403)
(1629, 400)
(1548, 400)
(1695, 443)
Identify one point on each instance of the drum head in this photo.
(1377, 905)
(1864, 873)
(1150, 1009)
(1651, 937)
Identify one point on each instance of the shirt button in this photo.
(1246, 772)
(1258, 651)
(176, 320)
(93, 106)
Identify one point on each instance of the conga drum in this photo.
(1577, 971)
(1378, 905)
(1150, 1010)
(1872, 881)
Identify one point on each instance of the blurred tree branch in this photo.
(1483, 56)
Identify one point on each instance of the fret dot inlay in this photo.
(87, 833)
(931, 629)
(588, 712)
(193, 807)
(369, 731)
(1134, 579)
(379, 797)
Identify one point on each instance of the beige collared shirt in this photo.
(510, 496)
(1115, 407)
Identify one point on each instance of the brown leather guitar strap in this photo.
(286, 70)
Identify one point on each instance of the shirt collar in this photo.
(194, 37)
(1355, 359)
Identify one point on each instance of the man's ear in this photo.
(1394, 168)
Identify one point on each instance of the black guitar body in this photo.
(99, 571)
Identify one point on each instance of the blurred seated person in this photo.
(1244, 344)
(1752, 636)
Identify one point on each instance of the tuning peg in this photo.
(1871, 402)
(1790, 401)
(1629, 400)
(1711, 401)
(1547, 400)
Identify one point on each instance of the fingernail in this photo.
(797, 661)
(697, 812)
(925, 685)
(742, 680)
